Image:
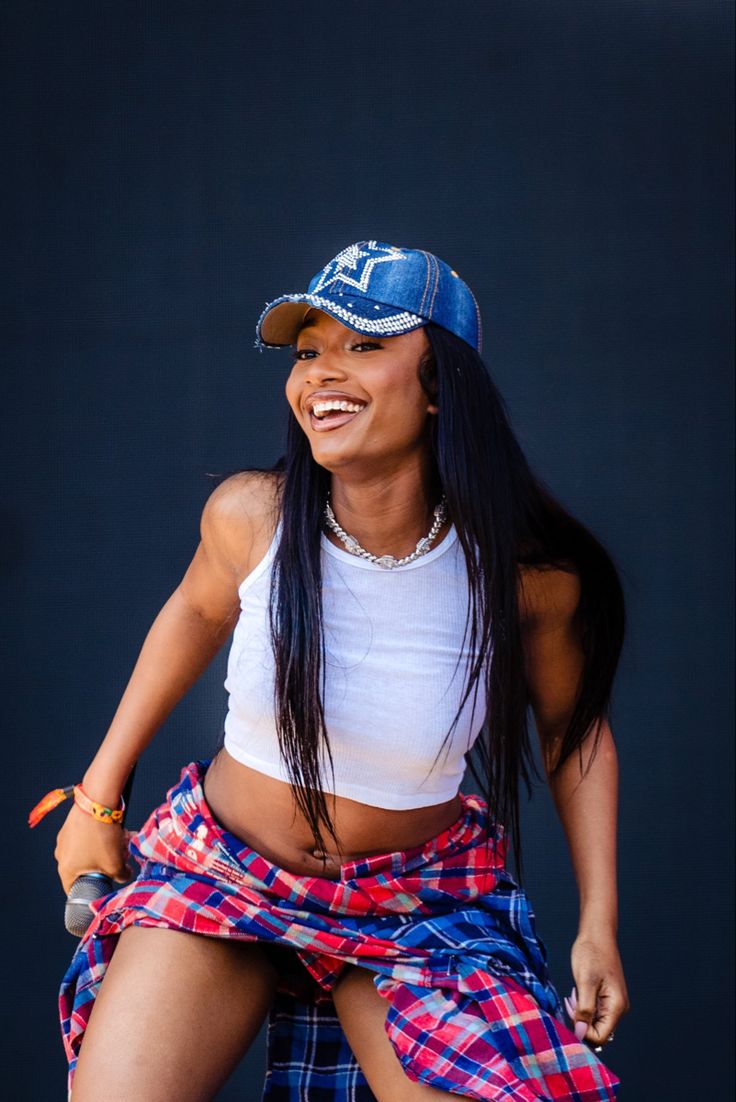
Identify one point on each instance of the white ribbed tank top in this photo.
(393, 680)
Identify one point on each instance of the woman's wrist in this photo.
(596, 922)
(108, 796)
(103, 789)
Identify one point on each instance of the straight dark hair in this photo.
(505, 518)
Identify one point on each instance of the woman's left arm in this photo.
(586, 802)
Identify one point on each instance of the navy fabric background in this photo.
(167, 169)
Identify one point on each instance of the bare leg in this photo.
(362, 1013)
(174, 1015)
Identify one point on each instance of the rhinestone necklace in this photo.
(387, 561)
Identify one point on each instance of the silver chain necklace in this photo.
(387, 561)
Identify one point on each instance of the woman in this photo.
(401, 588)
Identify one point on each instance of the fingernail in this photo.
(568, 1007)
(581, 1028)
(574, 997)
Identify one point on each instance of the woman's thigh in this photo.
(362, 1013)
(174, 1014)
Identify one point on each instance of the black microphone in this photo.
(90, 885)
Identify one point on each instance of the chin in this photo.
(335, 458)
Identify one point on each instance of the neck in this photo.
(387, 516)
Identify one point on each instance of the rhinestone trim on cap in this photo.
(381, 326)
(397, 323)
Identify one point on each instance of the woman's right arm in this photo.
(184, 638)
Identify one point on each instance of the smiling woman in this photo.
(401, 590)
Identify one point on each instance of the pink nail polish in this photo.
(581, 1028)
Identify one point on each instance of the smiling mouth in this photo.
(332, 419)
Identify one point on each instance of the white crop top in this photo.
(392, 643)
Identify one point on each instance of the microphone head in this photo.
(86, 888)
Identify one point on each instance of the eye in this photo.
(300, 354)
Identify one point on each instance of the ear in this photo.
(433, 409)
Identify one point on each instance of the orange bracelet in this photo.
(57, 795)
(98, 811)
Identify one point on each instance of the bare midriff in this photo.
(262, 812)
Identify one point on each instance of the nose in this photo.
(324, 368)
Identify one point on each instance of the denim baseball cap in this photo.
(381, 290)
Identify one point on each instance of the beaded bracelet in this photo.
(98, 811)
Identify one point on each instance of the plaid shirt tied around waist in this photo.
(447, 933)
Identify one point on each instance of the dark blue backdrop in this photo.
(167, 168)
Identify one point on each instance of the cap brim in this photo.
(281, 320)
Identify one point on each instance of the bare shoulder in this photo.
(239, 517)
(237, 524)
(244, 496)
(548, 596)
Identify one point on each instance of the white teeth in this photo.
(320, 408)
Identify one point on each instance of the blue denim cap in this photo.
(381, 290)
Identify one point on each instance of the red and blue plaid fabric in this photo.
(447, 933)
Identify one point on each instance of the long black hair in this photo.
(505, 518)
